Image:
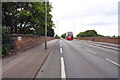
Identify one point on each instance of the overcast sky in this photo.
(82, 15)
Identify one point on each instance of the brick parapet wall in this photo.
(28, 41)
(101, 39)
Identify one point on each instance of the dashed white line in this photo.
(97, 45)
(112, 62)
(86, 44)
(90, 51)
(61, 50)
(63, 74)
(60, 45)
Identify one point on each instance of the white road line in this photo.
(86, 44)
(63, 74)
(112, 62)
(97, 45)
(61, 50)
(90, 51)
(60, 45)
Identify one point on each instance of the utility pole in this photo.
(57, 28)
(74, 28)
(45, 24)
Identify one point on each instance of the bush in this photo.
(6, 41)
(57, 37)
(88, 33)
(63, 35)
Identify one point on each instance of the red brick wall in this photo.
(28, 41)
(107, 40)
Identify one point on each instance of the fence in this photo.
(24, 42)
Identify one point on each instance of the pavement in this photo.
(26, 64)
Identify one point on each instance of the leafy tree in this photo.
(118, 36)
(21, 17)
(7, 44)
(88, 33)
(15, 17)
(63, 35)
(99, 35)
(57, 37)
(50, 32)
(114, 36)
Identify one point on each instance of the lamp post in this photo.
(57, 28)
(45, 24)
(74, 28)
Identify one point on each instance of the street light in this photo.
(45, 24)
(57, 28)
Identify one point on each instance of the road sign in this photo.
(19, 38)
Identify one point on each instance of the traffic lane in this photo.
(75, 50)
(51, 67)
(103, 52)
(80, 63)
(101, 43)
(113, 59)
(104, 45)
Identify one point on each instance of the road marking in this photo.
(63, 74)
(60, 42)
(60, 45)
(86, 44)
(112, 62)
(61, 50)
(90, 51)
(98, 45)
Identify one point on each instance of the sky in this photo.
(81, 15)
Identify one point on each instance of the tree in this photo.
(63, 35)
(26, 17)
(15, 16)
(114, 36)
(99, 35)
(88, 33)
(57, 37)
(7, 44)
(118, 36)
(50, 32)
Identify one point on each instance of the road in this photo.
(80, 59)
(64, 59)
